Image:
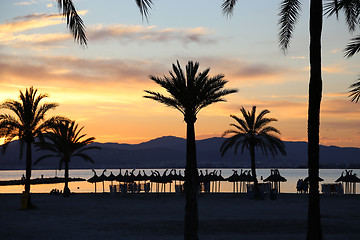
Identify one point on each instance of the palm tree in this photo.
(289, 14)
(250, 133)
(29, 121)
(65, 141)
(189, 93)
(76, 24)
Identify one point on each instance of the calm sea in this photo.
(292, 175)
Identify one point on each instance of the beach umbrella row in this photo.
(243, 178)
(130, 177)
(214, 178)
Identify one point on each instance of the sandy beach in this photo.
(151, 216)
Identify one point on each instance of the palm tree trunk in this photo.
(28, 167)
(66, 192)
(315, 90)
(191, 185)
(26, 195)
(253, 172)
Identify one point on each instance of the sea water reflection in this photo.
(292, 176)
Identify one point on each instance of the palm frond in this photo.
(228, 143)
(144, 6)
(289, 14)
(355, 91)
(228, 7)
(269, 129)
(190, 91)
(73, 21)
(39, 159)
(242, 123)
(332, 7)
(353, 47)
(168, 101)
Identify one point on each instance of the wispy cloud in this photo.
(300, 57)
(130, 33)
(66, 68)
(14, 32)
(25, 3)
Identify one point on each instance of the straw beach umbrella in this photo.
(235, 178)
(94, 179)
(275, 178)
(177, 177)
(111, 178)
(102, 178)
(350, 179)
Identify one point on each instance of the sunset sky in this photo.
(101, 86)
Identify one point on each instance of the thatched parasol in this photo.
(244, 178)
(102, 178)
(350, 179)
(275, 178)
(94, 179)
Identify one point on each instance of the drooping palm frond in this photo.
(331, 7)
(190, 91)
(289, 14)
(228, 7)
(353, 47)
(144, 6)
(65, 141)
(355, 91)
(29, 119)
(252, 130)
(351, 9)
(73, 21)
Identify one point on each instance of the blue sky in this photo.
(101, 86)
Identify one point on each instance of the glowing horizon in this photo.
(101, 86)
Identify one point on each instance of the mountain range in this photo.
(170, 152)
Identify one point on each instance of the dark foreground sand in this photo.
(221, 216)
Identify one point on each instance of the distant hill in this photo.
(169, 152)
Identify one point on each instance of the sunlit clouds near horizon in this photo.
(102, 85)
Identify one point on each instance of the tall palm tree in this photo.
(76, 24)
(65, 141)
(29, 121)
(289, 14)
(253, 132)
(189, 93)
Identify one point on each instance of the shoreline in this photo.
(160, 216)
